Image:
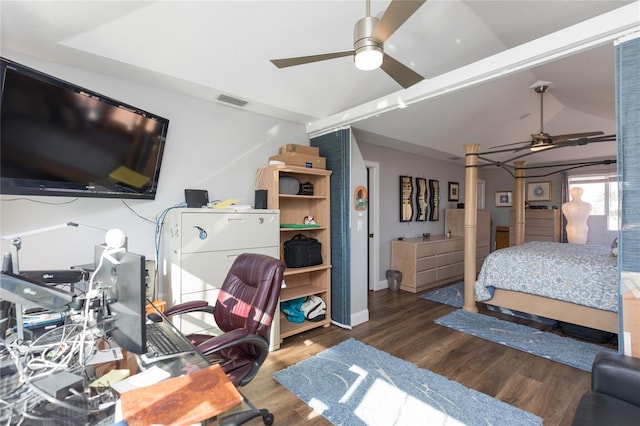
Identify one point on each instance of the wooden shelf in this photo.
(296, 292)
(304, 270)
(288, 328)
(314, 228)
(310, 280)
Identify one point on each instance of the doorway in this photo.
(373, 226)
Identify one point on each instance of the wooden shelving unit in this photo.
(311, 280)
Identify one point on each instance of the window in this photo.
(601, 191)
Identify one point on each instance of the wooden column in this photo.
(519, 202)
(470, 225)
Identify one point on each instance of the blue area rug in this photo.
(452, 295)
(541, 343)
(356, 384)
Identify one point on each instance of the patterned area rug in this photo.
(356, 384)
(541, 343)
(452, 295)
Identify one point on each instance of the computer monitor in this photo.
(124, 284)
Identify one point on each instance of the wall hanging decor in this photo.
(504, 199)
(434, 200)
(454, 191)
(539, 191)
(421, 200)
(360, 200)
(406, 200)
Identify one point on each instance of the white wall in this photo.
(394, 164)
(359, 240)
(209, 146)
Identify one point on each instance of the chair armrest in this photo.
(186, 307)
(618, 376)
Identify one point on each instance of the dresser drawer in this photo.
(427, 249)
(425, 263)
(449, 258)
(204, 231)
(425, 277)
(451, 271)
(450, 245)
(483, 241)
(206, 271)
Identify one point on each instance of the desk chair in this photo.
(244, 310)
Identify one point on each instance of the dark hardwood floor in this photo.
(403, 325)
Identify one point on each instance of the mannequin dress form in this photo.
(577, 212)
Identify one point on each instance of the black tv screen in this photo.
(57, 138)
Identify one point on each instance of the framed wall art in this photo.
(539, 191)
(421, 200)
(434, 200)
(504, 199)
(454, 191)
(406, 198)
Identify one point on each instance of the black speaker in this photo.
(261, 199)
(196, 197)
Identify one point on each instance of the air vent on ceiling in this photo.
(231, 101)
(455, 158)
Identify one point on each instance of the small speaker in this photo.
(196, 197)
(261, 199)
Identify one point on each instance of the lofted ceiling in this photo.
(208, 48)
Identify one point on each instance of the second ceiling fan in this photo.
(542, 140)
(370, 33)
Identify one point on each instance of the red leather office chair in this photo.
(244, 311)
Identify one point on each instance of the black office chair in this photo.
(244, 311)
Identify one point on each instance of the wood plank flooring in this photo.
(403, 325)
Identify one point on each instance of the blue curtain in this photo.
(335, 147)
(627, 57)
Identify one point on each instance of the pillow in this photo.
(614, 247)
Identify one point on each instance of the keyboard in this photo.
(164, 343)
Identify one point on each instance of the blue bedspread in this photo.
(578, 273)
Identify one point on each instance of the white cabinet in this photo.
(198, 248)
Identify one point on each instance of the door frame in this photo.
(373, 183)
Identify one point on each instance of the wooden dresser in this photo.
(539, 225)
(428, 263)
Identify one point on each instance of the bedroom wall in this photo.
(500, 180)
(394, 164)
(209, 146)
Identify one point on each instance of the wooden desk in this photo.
(181, 400)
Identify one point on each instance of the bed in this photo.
(574, 283)
(543, 303)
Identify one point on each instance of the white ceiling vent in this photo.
(229, 100)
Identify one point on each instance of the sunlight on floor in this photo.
(386, 404)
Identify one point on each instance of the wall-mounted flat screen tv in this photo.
(57, 138)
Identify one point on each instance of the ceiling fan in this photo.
(369, 36)
(542, 140)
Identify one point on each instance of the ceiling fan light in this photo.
(540, 147)
(368, 58)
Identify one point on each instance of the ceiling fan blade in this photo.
(300, 60)
(402, 74)
(560, 138)
(509, 144)
(585, 140)
(395, 15)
